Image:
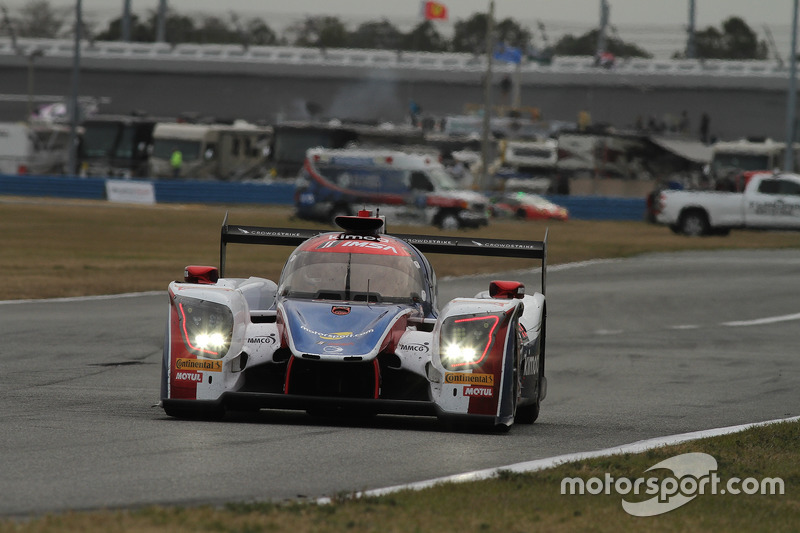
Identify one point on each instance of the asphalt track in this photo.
(637, 348)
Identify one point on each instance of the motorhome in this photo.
(211, 151)
(731, 158)
(527, 165)
(116, 145)
(33, 148)
(499, 127)
(606, 155)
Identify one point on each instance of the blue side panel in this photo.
(53, 186)
(167, 191)
(220, 192)
(602, 208)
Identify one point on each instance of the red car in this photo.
(528, 207)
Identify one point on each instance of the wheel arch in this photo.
(698, 210)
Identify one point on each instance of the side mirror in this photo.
(204, 275)
(506, 289)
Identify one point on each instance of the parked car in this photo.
(528, 206)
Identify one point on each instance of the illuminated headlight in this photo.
(207, 327)
(466, 341)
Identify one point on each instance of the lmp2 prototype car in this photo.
(353, 326)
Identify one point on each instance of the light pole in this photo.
(788, 156)
(161, 28)
(125, 30)
(691, 48)
(74, 109)
(32, 56)
(487, 100)
(601, 34)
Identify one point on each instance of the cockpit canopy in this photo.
(347, 268)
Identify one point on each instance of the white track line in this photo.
(554, 268)
(760, 321)
(83, 298)
(550, 462)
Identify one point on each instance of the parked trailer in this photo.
(746, 155)
(116, 145)
(33, 148)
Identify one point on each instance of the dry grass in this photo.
(74, 248)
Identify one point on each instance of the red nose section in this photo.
(506, 289)
(204, 275)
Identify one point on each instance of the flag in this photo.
(509, 54)
(434, 11)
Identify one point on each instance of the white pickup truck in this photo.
(768, 201)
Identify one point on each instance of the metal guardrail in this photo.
(371, 59)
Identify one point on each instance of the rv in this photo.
(211, 151)
(730, 158)
(116, 145)
(33, 148)
(607, 155)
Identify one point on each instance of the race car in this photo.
(528, 206)
(353, 326)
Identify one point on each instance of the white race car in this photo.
(353, 326)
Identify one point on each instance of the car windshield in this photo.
(352, 276)
(99, 139)
(536, 201)
(724, 161)
(442, 180)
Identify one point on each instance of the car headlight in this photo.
(465, 341)
(207, 327)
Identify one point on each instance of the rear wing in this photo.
(260, 235)
(424, 243)
(432, 244)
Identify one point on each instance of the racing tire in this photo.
(516, 387)
(502, 428)
(694, 223)
(528, 414)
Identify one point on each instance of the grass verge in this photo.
(61, 249)
(508, 503)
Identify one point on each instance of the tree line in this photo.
(734, 39)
